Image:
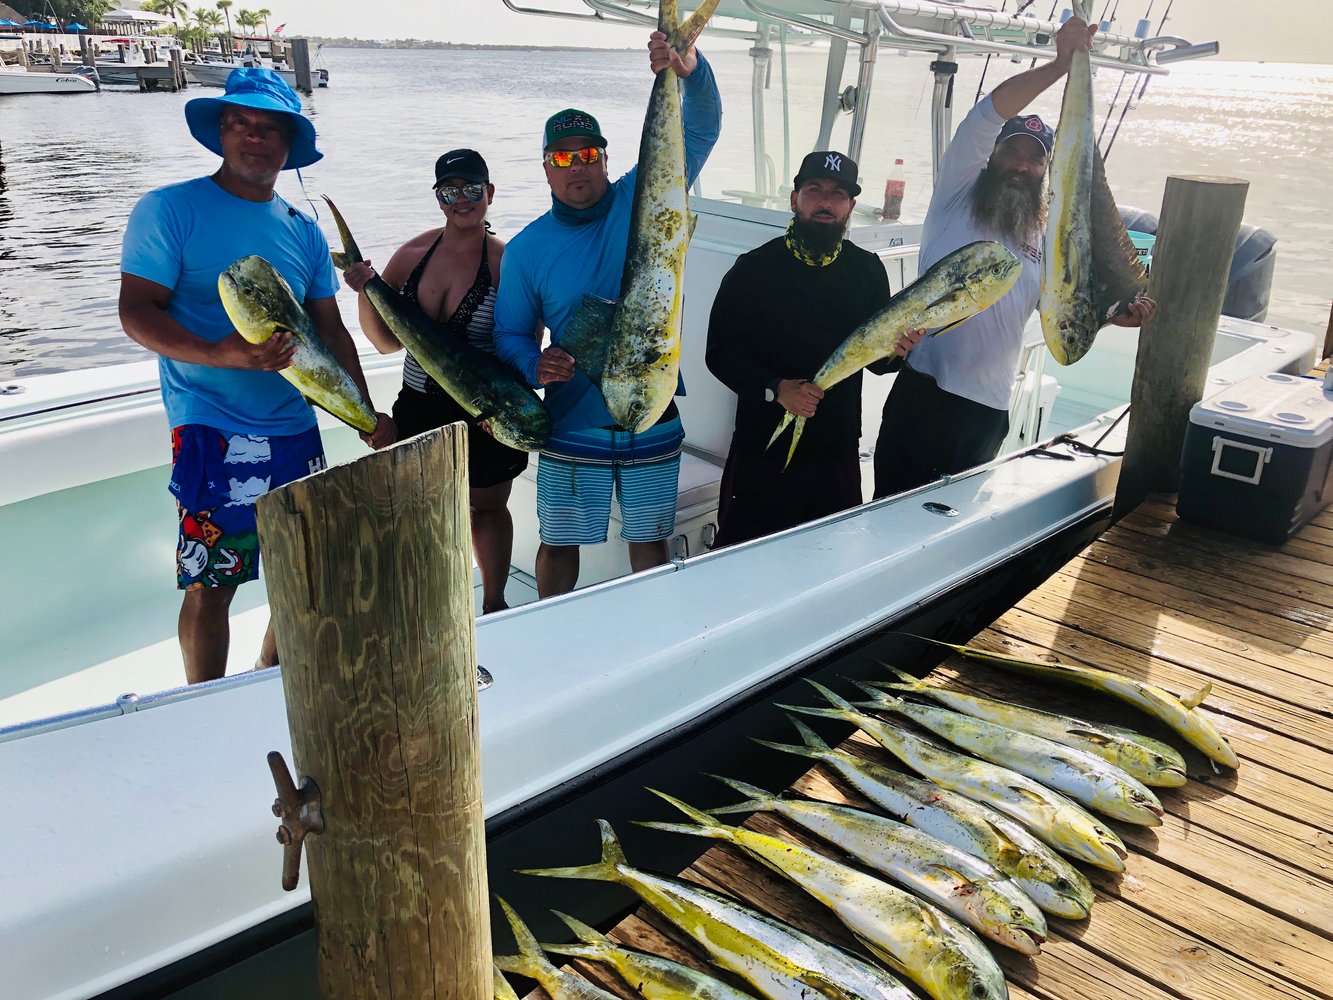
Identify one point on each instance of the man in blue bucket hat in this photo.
(948, 409)
(239, 429)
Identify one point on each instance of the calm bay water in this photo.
(71, 168)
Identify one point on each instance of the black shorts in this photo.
(758, 496)
(927, 432)
(489, 463)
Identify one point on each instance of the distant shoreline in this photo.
(426, 43)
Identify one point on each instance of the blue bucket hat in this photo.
(252, 87)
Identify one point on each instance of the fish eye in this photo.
(1062, 883)
(978, 990)
(1016, 913)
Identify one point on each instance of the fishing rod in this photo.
(1049, 17)
(982, 82)
(1166, 16)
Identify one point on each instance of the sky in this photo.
(1246, 31)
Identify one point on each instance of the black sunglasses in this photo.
(450, 193)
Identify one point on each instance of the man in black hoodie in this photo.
(782, 309)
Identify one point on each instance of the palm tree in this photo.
(263, 14)
(225, 7)
(174, 9)
(205, 21)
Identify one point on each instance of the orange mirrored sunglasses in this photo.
(565, 157)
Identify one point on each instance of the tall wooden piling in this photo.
(370, 584)
(1191, 260)
(300, 63)
(86, 54)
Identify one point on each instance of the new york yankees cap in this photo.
(1030, 126)
(465, 164)
(830, 164)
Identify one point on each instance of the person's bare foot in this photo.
(487, 609)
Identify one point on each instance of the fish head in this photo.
(966, 980)
(993, 269)
(254, 294)
(1004, 918)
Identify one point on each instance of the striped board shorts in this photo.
(578, 470)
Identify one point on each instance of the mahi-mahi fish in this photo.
(1061, 822)
(260, 303)
(1090, 270)
(1052, 882)
(655, 977)
(1181, 714)
(530, 962)
(925, 944)
(480, 383)
(957, 286)
(779, 961)
(1153, 762)
(631, 348)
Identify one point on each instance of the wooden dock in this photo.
(1232, 897)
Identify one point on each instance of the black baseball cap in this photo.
(466, 164)
(830, 164)
(1031, 126)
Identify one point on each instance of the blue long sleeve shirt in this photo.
(567, 254)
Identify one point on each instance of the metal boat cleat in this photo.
(300, 812)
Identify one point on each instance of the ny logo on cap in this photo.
(833, 162)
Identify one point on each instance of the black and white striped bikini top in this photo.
(473, 320)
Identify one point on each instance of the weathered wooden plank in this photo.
(1304, 607)
(1208, 597)
(1287, 674)
(1301, 545)
(1317, 577)
(1233, 709)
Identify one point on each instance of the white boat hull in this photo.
(23, 82)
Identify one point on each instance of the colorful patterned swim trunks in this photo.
(216, 477)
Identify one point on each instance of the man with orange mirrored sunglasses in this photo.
(576, 249)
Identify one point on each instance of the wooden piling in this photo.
(86, 54)
(300, 63)
(1191, 260)
(370, 585)
(177, 70)
(1328, 337)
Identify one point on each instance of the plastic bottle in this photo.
(893, 192)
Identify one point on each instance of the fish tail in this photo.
(501, 988)
(340, 260)
(795, 437)
(787, 418)
(826, 713)
(529, 959)
(605, 870)
(831, 696)
(1192, 701)
(350, 249)
(906, 681)
(757, 800)
(683, 36)
(588, 935)
(704, 824)
(698, 815)
(815, 747)
(878, 697)
(592, 943)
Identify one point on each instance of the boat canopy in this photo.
(946, 30)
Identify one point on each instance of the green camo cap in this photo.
(571, 122)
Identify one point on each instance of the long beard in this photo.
(1015, 211)
(818, 239)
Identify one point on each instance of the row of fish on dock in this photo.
(979, 846)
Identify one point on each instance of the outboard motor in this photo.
(91, 73)
(1251, 276)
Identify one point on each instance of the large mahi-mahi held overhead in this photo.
(969, 280)
(1090, 270)
(260, 303)
(480, 383)
(631, 348)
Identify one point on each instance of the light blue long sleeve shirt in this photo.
(567, 254)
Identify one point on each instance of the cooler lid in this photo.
(1288, 409)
